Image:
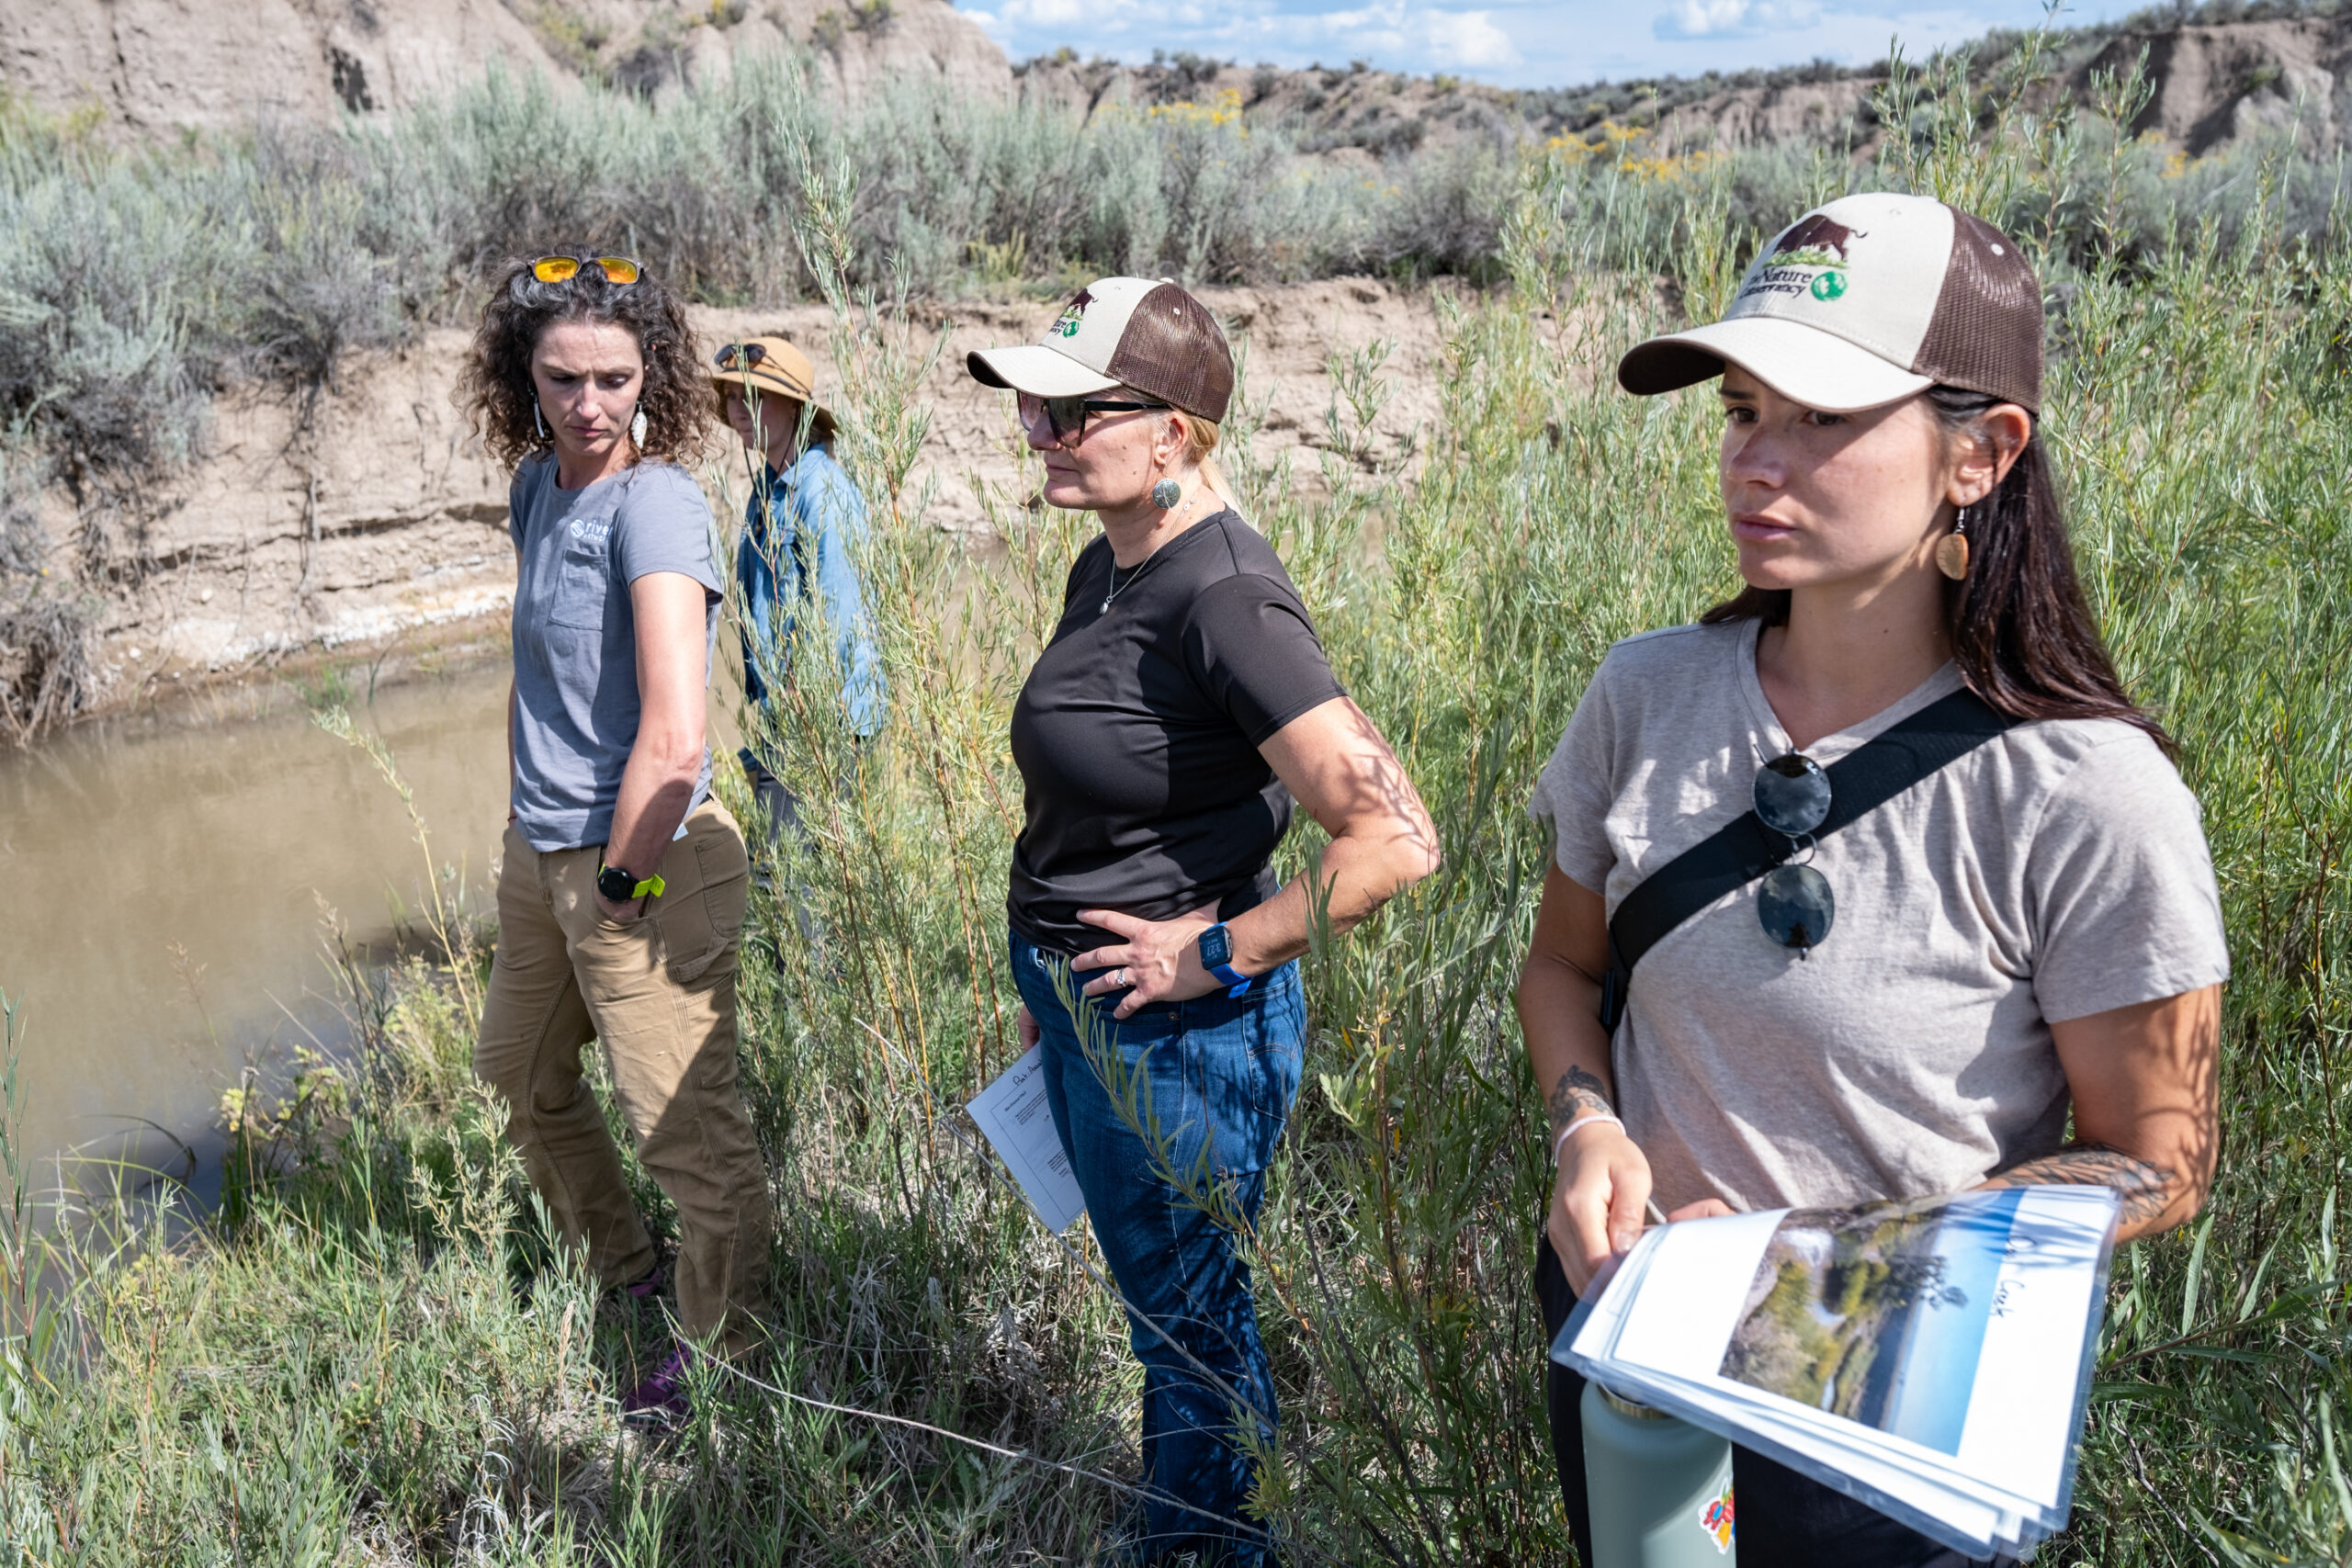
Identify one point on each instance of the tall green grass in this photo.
(371, 1353)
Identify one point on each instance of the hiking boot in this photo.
(660, 1402)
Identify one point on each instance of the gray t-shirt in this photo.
(575, 634)
(2057, 871)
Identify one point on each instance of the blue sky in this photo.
(1510, 43)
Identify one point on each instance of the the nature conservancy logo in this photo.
(1810, 259)
(1073, 314)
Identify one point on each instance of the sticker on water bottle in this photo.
(1716, 1520)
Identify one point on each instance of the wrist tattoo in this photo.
(1578, 1093)
(2146, 1189)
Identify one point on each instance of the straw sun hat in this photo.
(776, 366)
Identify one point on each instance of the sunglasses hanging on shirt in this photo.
(1793, 902)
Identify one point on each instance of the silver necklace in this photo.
(1143, 566)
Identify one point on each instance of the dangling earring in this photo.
(636, 428)
(1952, 550)
(1166, 494)
(536, 422)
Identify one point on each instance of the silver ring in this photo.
(1125, 981)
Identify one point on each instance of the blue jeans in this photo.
(1169, 1120)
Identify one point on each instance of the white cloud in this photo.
(1469, 41)
(1732, 18)
(1057, 13)
(1703, 18)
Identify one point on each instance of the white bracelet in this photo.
(1560, 1139)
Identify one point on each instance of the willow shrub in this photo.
(373, 1355)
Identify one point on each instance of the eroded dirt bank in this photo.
(380, 518)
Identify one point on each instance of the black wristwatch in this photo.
(618, 886)
(1216, 957)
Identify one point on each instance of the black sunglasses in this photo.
(1792, 795)
(740, 356)
(1066, 417)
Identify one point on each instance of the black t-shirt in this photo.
(1138, 733)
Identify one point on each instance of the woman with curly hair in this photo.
(621, 897)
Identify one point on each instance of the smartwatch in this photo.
(1216, 957)
(618, 886)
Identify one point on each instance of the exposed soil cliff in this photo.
(164, 65)
(382, 519)
(2213, 84)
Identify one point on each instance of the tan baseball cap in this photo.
(1863, 302)
(1122, 332)
(773, 365)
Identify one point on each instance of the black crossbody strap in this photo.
(1873, 774)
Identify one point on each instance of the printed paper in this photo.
(1013, 1112)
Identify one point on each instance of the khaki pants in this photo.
(660, 993)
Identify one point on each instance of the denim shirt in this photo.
(800, 530)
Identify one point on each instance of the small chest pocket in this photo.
(583, 581)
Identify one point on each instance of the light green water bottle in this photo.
(1660, 1488)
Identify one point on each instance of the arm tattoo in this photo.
(2146, 1189)
(1578, 1093)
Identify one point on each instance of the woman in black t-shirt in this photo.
(1182, 705)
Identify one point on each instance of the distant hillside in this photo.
(165, 66)
(2218, 73)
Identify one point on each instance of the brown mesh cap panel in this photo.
(1173, 350)
(1987, 332)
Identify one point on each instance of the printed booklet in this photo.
(1930, 1358)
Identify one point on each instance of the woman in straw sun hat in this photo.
(1181, 707)
(621, 893)
(2020, 920)
(797, 558)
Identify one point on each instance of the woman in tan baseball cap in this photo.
(1865, 879)
(1182, 706)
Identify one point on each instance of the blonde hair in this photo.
(1200, 444)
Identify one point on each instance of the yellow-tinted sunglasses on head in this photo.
(562, 269)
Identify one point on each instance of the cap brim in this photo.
(1037, 370)
(766, 383)
(1803, 364)
(824, 417)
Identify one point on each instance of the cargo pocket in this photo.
(701, 912)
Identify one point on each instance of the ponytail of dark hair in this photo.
(2021, 631)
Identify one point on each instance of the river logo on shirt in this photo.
(594, 531)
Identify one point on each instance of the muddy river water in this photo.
(160, 887)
